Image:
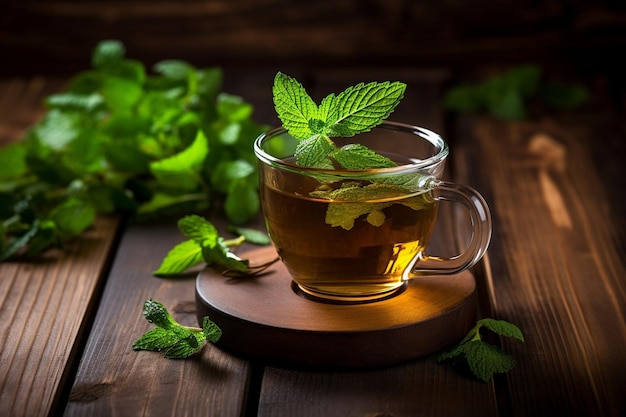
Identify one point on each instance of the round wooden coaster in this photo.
(262, 317)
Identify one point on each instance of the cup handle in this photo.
(480, 219)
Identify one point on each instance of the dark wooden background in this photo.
(57, 36)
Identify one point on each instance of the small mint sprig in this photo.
(357, 109)
(482, 358)
(178, 341)
(205, 244)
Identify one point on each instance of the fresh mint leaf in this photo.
(482, 358)
(173, 68)
(360, 108)
(357, 157)
(107, 53)
(180, 258)
(356, 201)
(502, 328)
(199, 229)
(73, 216)
(242, 201)
(251, 235)
(313, 152)
(12, 161)
(179, 342)
(485, 359)
(220, 255)
(561, 96)
(182, 170)
(156, 339)
(211, 331)
(294, 106)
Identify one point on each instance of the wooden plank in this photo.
(558, 264)
(45, 307)
(21, 104)
(58, 36)
(113, 379)
(407, 389)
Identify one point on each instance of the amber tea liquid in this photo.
(365, 261)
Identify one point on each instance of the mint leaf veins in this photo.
(482, 358)
(176, 340)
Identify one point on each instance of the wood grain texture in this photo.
(45, 308)
(558, 267)
(57, 36)
(115, 380)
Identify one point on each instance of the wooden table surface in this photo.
(556, 267)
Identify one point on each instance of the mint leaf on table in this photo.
(178, 341)
(482, 358)
(122, 140)
(206, 245)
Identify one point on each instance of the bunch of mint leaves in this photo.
(507, 95)
(120, 140)
(178, 341)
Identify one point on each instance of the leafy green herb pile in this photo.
(509, 94)
(120, 140)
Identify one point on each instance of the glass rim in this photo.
(433, 138)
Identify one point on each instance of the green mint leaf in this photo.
(12, 161)
(362, 107)
(484, 360)
(294, 107)
(220, 255)
(560, 96)
(185, 347)
(233, 108)
(156, 313)
(211, 331)
(108, 52)
(365, 199)
(156, 339)
(182, 170)
(73, 217)
(242, 201)
(253, 236)
(173, 68)
(313, 152)
(357, 156)
(502, 328)
(76, 102)
(21, 241)
(183, 256)
(199, 229)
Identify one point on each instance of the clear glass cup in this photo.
(360, 235)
